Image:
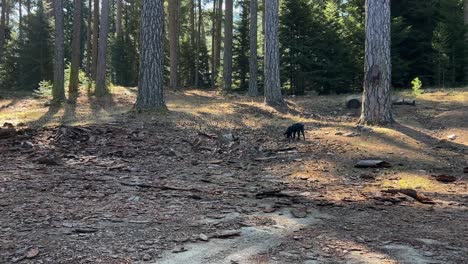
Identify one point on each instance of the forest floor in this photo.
(214, 181)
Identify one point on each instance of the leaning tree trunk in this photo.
(101, 87)
(227, 62)
(95, 39)
(174, 6)
(58, 90)
(76, 49)
(253, 87)
(151, 79)
(465, 11)
(377, 98)
(273, 96)
(89, 44)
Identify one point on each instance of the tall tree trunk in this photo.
(76, 50)
(28, 8)
(95, 39)
(2, 28)
(253, 60)
(197, 49)
(213, 40)
(465, 11)
(174, 6)
(118, 20)
(20, 18)
(151, 79)
(193, 41)
(58, 91)
(101, 87)
(227, 62)
(273, 96)
(89, 50)
(377, 98)
(217, 43)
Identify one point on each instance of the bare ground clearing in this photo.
(213, 181)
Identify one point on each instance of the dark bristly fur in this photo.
(297, 128)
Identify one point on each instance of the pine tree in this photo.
(241, 46)
(101, 86)
(253, 59)
(76, 49)
(174, 24)
(377, 99)
(273, 96)
(58, 91)
(227, 62)
(151, 85)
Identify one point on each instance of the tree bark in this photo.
(95, 39)
(174, 6)
(76, 50)
(377, 99)
(227, 62)
(58, 91)
(2, 28)
(101, 87)
(193, 37)
(253, 60)
(89, 49)
(465, 12)
(118, 19)
(217, 43)
(273, 96)
(151, 80)
(20, 18)
(197, 48)
(28, 8)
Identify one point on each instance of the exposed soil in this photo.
(214, 181)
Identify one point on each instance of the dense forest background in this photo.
(321, 44)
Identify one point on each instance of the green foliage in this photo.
(416, 86)
(314, 55)
(34, 62)
(44, 90)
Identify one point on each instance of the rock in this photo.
(364, 128)
(203, 237)
(147, 257)
(299, 213)
(32, 253)
(445, 178)
(452, 137)
(339, 133)
(465, 170)
(351, 134)
(269, 209)
(229, 137)
(179, 249)
(227, 234)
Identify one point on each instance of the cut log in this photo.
(372, 164)
(355, 102)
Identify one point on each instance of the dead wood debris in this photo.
(413, 194)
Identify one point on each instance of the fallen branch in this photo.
(413, 194)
